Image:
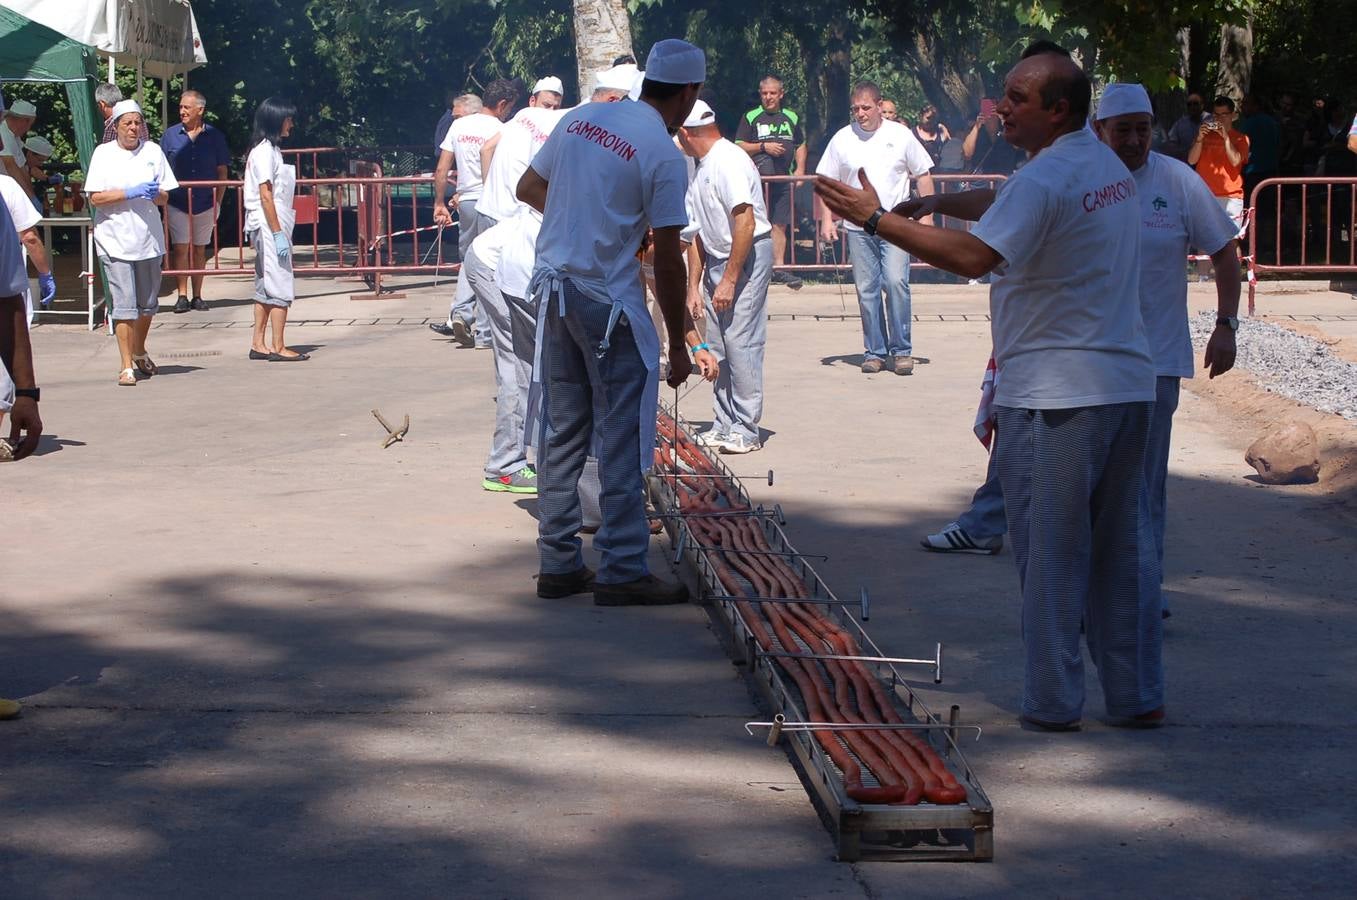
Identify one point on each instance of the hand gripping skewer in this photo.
(393, 434)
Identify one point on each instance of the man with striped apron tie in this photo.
(1075, 393)
(608, 172)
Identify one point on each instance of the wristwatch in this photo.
(32, 393)
(870, 225)
(1232, 321)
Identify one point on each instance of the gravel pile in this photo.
(1288, 364)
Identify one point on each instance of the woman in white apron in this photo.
(269, 218)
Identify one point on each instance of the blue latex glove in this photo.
(146, 191)
(48, 282)
(281, 245)
(56, 179)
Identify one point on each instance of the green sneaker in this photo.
(524, 481)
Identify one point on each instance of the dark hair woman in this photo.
(269, 219)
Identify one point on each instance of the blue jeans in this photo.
(985, 516)
(1157, 457)
(881, 268)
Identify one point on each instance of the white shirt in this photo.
(21, 209)
(465, 139)
(13, 281)
(265, 165)
(519, 141)
(518, 255)
(1176, 211)
(613, 172)
(725, 178)
(1065, 309)
(891, 154)
(128, 229)
(11, 145)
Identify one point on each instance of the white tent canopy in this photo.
(157, 37)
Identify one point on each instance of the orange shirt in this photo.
(1223, 178)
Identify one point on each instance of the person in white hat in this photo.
(728, 221)
(1075, 392)
(126, 182)
(19, 118)
(609, 172)
(461, 149)
(547, 93)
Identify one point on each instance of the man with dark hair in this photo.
(608, 173)
(1074, 394)
(1184, 131)
(772, 136)
(462, 149)
(893, 159)
(1219, 153)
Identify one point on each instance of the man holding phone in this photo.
(985, 150)
(1219, 153)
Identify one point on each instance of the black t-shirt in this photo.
(783, 127)
(995, 156)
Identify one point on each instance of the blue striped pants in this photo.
(584, 390)
(1079, 523)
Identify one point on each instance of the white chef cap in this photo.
(1122, 99)
(23, 109)
(550, 83)
(123, 107)
(618, 78)
(673, 61)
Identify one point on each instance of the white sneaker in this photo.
(738, 443)
(711, 438)
(954, 539)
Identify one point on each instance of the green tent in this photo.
(33, 52)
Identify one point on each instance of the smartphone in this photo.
(987, 108)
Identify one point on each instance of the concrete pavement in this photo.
(262, 656)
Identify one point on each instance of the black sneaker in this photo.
(182, 305)
(787, 279)
(647, 591)
(442, 328)
(199, 304)
(554, 587)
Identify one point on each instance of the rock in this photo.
(1288, 455)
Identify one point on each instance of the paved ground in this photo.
(263, 657)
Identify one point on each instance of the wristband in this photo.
(701, 346)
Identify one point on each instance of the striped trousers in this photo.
(1079, 524)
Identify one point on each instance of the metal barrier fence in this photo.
(1302, 226)
(395, 159)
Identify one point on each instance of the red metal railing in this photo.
(339, 161)
(1302, 226)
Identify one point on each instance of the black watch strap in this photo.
(33, 394)
(1232, 322)
(870, 225)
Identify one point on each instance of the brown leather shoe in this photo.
(647, 591)
(872, 366)
(555, 586)
(903, 365)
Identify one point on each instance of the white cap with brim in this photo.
(122, 108)
(1123, 99)
(550, 83)
(23, 109)
(701, 115)
(635, 92)
(618, 78)
(673, 61)
(39, 145)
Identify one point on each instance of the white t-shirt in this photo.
(13, 280)
(21, 211)
(1176, 211)
(10, 145)
(129, 229)
(613, 173)
(519, 141)
(265, 164)
(519, 252)
(1065, 308)
(891, 154)
(725, 178)
(465, 139)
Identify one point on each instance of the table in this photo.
(86, 226)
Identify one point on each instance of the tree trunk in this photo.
(602, 33)
(1236, 60)
(944, 80)
(827, 60)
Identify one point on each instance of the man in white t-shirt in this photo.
(728, 220)
(1074, 396)
(17, 121)
(462, 149)
(26, 219)
(1177, 211)
(891, 156)
(608, 173)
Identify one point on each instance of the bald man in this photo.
(1075, 392)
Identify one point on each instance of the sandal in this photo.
(145, 365)
(128, 378)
